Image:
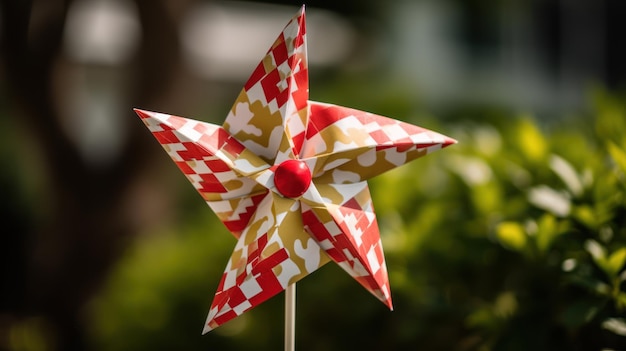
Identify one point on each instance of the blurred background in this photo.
(514, 239)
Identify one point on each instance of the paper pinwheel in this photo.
(287, 176)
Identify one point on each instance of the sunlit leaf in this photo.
(487, 140)
(616, 260)
(512, 235)
(615, 325)
(487, 198)
(618, 155)
(612, 264)
(569, 264)
(531, 141)
(567, 173)
(473, 170)
(597, 251)
(506, 305)
(550, 200)
(547, 231)
(585, 214)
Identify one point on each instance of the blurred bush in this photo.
(514, 239)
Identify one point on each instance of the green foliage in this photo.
(514, 239)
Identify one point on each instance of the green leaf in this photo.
(611, 265)
(511, 235)
(531, 141)
(505, 305)
(482, 318)
(615, 261)
(585, 214)
(487, 198)
(546, 232)
(591, 284)
(621, 301)
(610, 121)
(580, 313)
(618, 155)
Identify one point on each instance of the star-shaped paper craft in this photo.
(287, 176)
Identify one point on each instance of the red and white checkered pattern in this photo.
(357, 145)
(348, 232)
(281, 240)
(265, 260)
(276, 94)
(193, 146)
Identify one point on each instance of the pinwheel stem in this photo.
(290, 317)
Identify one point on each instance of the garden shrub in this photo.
(514, 239)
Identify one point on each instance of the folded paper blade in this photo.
(273, 252)
(194, 147)
(206, 155)
(270, 113)
(351, 145)
(343, 223)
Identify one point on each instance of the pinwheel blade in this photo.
(350, 146)
(270, 114)
(206, 154)
(273, 252)
(347, 229)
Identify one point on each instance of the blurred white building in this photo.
(526, 55)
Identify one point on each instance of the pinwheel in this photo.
(288, 177)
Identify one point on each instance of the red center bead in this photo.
(292, 178)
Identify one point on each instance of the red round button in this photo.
(292, 178)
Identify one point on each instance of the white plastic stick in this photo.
(290, 318)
